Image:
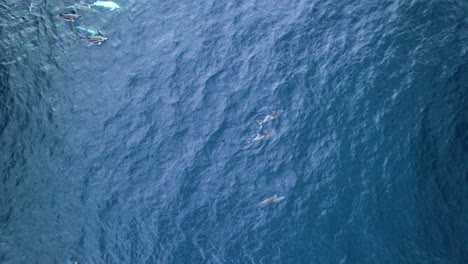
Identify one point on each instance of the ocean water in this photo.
(140, 150)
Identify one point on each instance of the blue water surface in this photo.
(140, 150)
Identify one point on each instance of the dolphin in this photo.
(93, 32)
(272, 200)
(259, 137)
(81, 7)
(262, 135)
(107, 4)
(97, 39)
(269, 117)
(69, 16)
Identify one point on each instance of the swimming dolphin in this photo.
(69, 16)
(262, 135)
(107, 4)
(259, 137)
(97, 39)
(269, 117)
(272, 200)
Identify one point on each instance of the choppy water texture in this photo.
(135, 151)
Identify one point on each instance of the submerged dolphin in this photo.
(81, 7)
(272, 200)
(92, 32)
(107, 4)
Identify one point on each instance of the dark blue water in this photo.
(136, 151)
